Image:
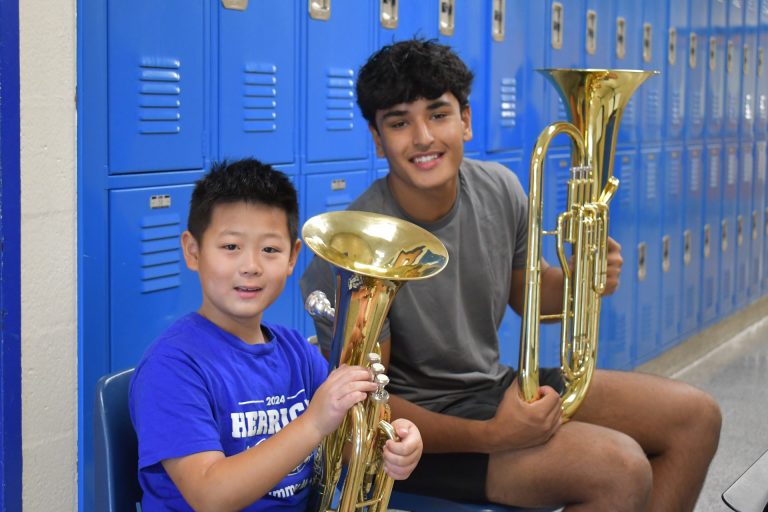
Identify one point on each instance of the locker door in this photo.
(648, 309)
(511, 60)
(696, 62)
(757, 264)
(728, 235)
(671, 244)
(749, 66)
(733, 69)
(465, 27)
(598, 29)
(155, 80)
(626, 38)
(744, 231)
(336, 48)
(717, 45)
(677, 41)
(150, 285)
(654, 56)
(711, 234)
(692, 241)
(761, 102)
(617, 318)
(257, 81)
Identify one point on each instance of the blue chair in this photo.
(116, 459)
(116, 454)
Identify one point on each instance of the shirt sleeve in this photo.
(172, 410)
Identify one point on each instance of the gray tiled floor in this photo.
(735, 374)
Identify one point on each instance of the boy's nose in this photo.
(251, 265)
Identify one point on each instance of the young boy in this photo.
(638, 442)
(228, 409)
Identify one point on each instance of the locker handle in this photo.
(235, 5)
(641, 272)
(447, 17)
(389, 14)
(707, 234)
(320, 9)
(497, 21)
(692, 51)
(740, 230)
(712, 53)
(724, 235)
(647, 38)
(665, 263)
(621, 27)
(591, 38)
(557, 25)
(754, 225)
(687, 256)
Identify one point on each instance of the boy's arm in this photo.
(210, 481)
(517, 424)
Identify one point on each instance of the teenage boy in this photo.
(227, 408)
(638, 442)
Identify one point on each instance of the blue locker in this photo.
(671, 243)
(150, 285)
(258, 81)
(692, 238)
(329, 187)
(728, 228)
(733, 69)
(404, 19)
(761, 109)
(511, 60)
(627, 39)
(757, 265)
(749, 66)
(711, 235)
(675, 71)
(649, 263)
(744, 222)
(717, 45)
(466, 28)
(156, 82)
(654, 55)
(599, 46)
(697, 61)
(336, 48)
(617, 319)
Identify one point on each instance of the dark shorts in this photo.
(461, 476)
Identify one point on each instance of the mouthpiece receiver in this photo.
(318, 306)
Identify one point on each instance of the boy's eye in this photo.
(271, 250)
(229, 247)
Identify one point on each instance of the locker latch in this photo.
(647, 40)
(497, 23)
(621, 46)
(707, 234)
(591, 38)
(236, 5)
(754, 225)
(760, 57)
(672, 49)
(692, 51)
(320, 9)
(447, 17)
(729, 58)
(746, 60)
(724, 235)
(712, 53)
(338, 184)
(557, 25)
(740, 230)
(389, 13)
(641, 261)
(687, 246)
(665, 263)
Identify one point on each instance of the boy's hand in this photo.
(344, 387)
(401, 457)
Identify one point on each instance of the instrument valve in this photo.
(381, 394)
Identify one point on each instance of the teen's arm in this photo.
(211, 481)
(517, 424)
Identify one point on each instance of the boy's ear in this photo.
(376, 140)
(191, 250)
(294, 256)
(466, 118)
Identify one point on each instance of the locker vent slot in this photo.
(159, 95)
(340, 95)
(626, 189)
(714, 170)
(654, 107)
(673, 181)
(733, 165)
(260, 97)
(508, 102)
(651, 171)
(160, 252)
(695, 181)
(747, 178)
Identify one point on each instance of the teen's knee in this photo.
(628, 479)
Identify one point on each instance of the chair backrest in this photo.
(116, 454)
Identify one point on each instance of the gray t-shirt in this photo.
(443, 330)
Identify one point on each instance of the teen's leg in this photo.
(677, 425)
(585, 467)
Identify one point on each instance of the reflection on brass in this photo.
(372, 256)
(596, 100)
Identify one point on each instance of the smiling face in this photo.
(423, 142)
(243, 261)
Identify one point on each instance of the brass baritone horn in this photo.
(595, 99)
(372, 256)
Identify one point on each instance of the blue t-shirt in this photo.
(199, 388)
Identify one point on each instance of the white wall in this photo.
(47, 39)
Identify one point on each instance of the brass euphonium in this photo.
(372, 255)
(595, 100)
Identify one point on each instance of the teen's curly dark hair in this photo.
(410, 70)
(246, 180)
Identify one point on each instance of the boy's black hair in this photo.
(246, 180)
(410, 70)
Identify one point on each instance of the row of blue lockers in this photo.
(166, 87)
